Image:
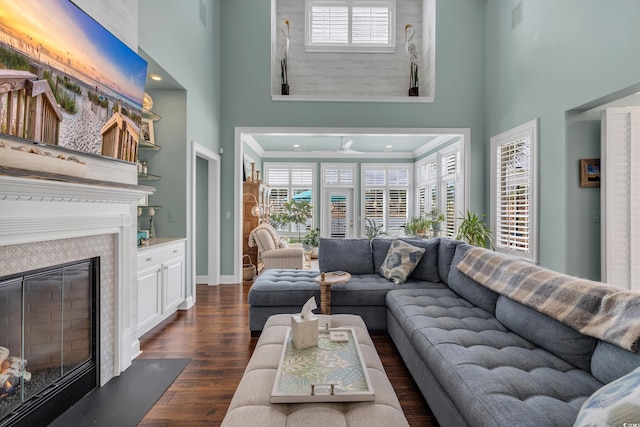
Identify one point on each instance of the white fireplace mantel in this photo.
(36, 210)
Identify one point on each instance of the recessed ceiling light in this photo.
(155, 77)
(296, 145)
(389, 146)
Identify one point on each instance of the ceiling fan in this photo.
(345, 146)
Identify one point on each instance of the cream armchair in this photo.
(274, 251)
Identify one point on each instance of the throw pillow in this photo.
(400, 261)
(615, 404)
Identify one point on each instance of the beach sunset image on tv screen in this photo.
(65, 80)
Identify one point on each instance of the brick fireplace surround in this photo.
(45, 223)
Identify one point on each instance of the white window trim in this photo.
(386, 187)
(530, 130)
(351, 47)
(314, 185)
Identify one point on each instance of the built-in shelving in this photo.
(147, 146)
(147, 177)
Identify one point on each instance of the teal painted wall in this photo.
(202, 220)
(564, 54)
(168, 163)
(173, 35)
(459, 99)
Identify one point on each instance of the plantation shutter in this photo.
(329, 23)
(513, 196)
(620, 197)
(513, 192)
(397, 209)
(370, 25)
(337, 176)
(374, 205)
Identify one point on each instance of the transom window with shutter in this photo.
(289, 181)
(350, 25)
(513, 191)
(386, 195)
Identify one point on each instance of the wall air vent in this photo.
(203, 13)
(516, 15)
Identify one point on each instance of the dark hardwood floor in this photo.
(215, 335)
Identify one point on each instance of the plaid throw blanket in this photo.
(592, 308)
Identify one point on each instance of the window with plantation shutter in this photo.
(513, 170)
(350, 25)
(386, 195)
(286, 182)
(439, 177)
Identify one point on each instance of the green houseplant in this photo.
(373, 230)
(312, 240)
(437, 217)
(417, 226)
(475, 231)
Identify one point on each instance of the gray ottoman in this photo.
(251, 404)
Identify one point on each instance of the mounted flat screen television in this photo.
(67, 81)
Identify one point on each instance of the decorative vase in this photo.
(285, 88)
(152, 229)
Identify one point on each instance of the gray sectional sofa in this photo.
(479, 357)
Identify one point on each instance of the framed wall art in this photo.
(589, 173)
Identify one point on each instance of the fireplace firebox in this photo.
(48, 341)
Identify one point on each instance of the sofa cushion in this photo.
(467, 287)
(352, 255)
(282, 287)
(492, 375)
(610, 362)
(446, 251)
(402, 258)
(548, 333)
(615, 404)
(371, 289)
(379, 248)
(427, 268)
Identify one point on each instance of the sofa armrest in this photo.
(283, 258)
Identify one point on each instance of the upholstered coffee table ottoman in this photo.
(251, 404)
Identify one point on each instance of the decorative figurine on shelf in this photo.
(413, 60)
(284, 78)
(152, 229)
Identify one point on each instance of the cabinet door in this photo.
(173, 284)
(149, 298)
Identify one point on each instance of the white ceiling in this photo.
(327, 144)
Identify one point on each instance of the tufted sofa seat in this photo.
(478, 357)
(491, 374)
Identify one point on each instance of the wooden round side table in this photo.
(325, 280)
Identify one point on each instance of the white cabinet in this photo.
(161, 282)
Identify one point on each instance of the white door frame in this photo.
(325, 214)
(213, 209)
(464, 133)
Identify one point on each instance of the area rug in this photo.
(125, 399)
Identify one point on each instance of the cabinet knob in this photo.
(148, 259)
(175, 251)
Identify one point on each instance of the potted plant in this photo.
(475, 231)
(312, 240)
(437, 217)
(297, 212)
(373, 230)
(417, 226)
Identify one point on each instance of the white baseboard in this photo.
(135, 349)
(229, 280)
(187, 303)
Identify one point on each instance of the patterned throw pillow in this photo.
(401, 260)
(615, 404)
